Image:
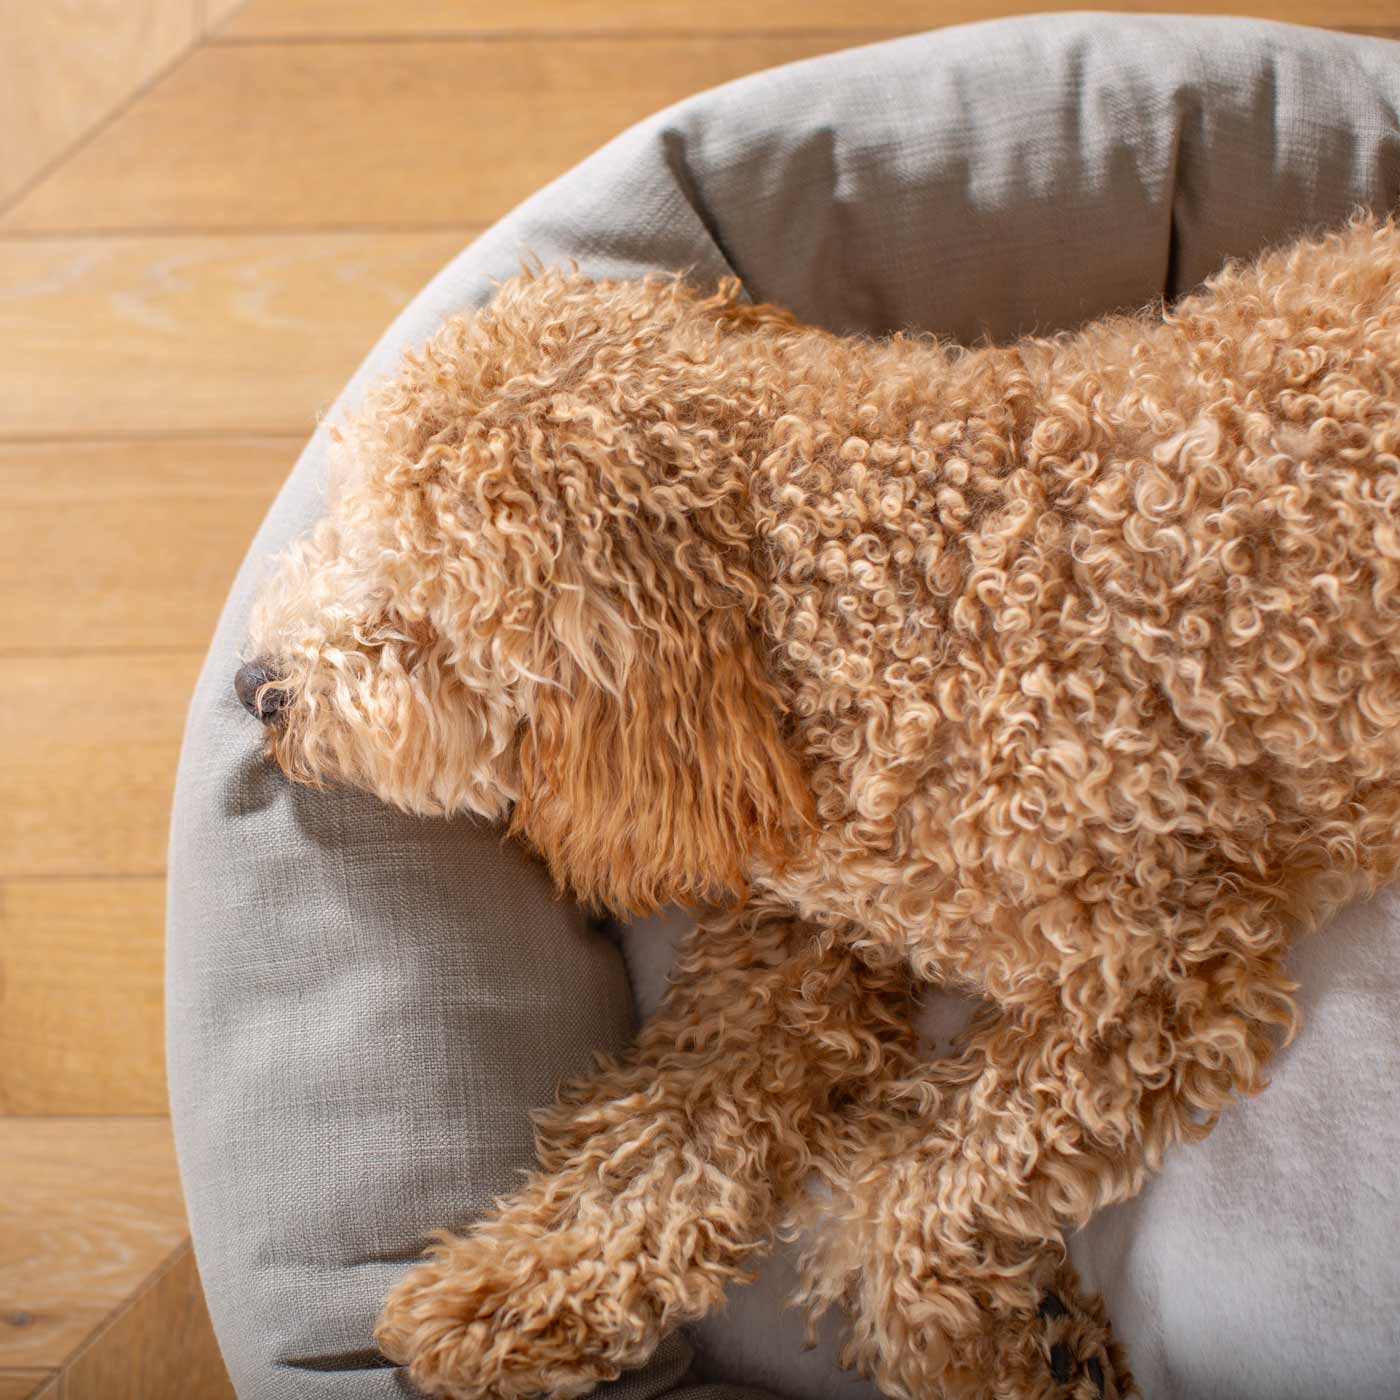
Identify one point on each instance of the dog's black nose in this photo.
(251, 678)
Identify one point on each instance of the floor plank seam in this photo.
(69, 653)
(13, 202)
(569, 36)
(137, 233)
(190, 435)
(82, 1118)
(106, 1324)
(86, 877)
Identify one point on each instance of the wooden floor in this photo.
(207, 213)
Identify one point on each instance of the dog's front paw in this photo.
(1066, 1351)
(480, 1317)
(1061, 1350)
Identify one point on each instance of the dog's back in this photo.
(1094, 595)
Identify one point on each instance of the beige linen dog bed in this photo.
(363, 1007)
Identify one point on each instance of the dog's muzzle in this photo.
(251, 678)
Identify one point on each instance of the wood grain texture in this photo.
(196, 334)
(127, 544)
(88, 751)
(263, 19)
(217, 13)
(439, 133)
(81, 1024)
(28, 1385)
(161, 1347)
(89, 1207)
(65, 67)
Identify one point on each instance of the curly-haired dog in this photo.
(1066, 672)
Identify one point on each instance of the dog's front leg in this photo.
(946, 1238)
(661, 1177)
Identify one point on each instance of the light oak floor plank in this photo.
(24, 1385)
(217, 13)
(161, 1347)
(297, 135)
(89, 1208)
(196, 334)
(81, 1021)
(130, 543)
(88, 750)
(266, 19)
(64, 68)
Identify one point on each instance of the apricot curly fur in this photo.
(1065, 672)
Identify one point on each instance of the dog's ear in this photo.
(651, 763)
(662, 788)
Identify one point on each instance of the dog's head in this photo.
(534, 596)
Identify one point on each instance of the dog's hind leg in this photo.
(662, 1176)
(946, 1243)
